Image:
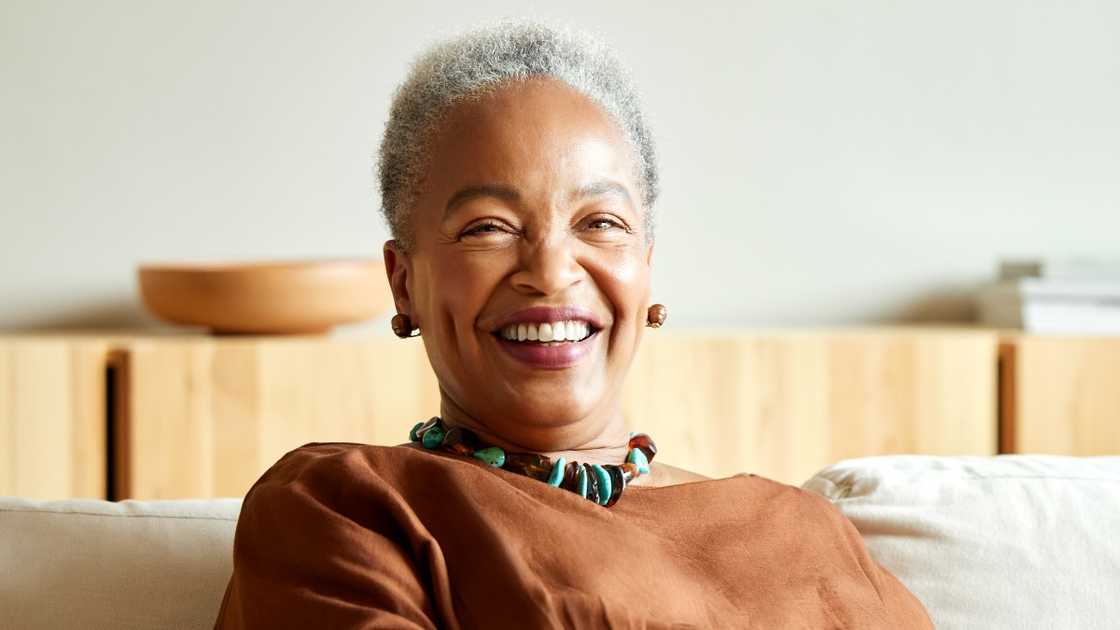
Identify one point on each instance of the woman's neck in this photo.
(608, 445)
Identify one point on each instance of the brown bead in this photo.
(656, 315)
(571, 470)
(459, 440)
(618, 483)
(529, 464)
(452, 437)
(645, 443)
(592, 484)
(630, 471)
(461, 449)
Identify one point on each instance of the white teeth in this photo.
(569, 330)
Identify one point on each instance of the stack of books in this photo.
(1076, 297)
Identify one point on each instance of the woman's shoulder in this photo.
(326, 468)
(790, 500)
(667, 475)
(748, 494)
(321, 483)
(809, 523)
(329, 455)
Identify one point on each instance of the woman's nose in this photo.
(547, 267)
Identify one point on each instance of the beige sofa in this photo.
(1016, 542)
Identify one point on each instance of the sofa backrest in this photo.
(1016, 542)
(1013, 541)
(95, 564)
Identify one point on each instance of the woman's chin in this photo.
(545, 386)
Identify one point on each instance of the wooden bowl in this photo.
(284, 297)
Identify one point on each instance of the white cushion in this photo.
(96, 564)
(1013, 541)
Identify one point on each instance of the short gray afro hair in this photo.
(482, 60)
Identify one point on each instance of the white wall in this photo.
(823, 162)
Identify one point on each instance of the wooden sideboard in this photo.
(1062, 395)
(53, 420)
(785, 404)
(205, 417)
(169, 416)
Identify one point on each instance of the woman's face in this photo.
(530, 215)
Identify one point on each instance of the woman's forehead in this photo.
(536, 134)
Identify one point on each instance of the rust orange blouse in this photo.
(339, 535)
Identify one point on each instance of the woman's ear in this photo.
(397, 270)
(649, 254)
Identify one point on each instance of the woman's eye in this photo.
(482, 229)
(603, 223)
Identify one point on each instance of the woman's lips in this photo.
(550, 356)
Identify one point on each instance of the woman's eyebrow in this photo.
(467, 193)
(602, 187)
(510, 194)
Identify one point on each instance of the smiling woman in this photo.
(518, 178)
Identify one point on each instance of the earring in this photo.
(402, 326)
(656, 315)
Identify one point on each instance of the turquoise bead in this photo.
(581, 482)
(604, 480)
(492, 455)
(412, 437)
(638, 458)
(433, 437)
(557, 475)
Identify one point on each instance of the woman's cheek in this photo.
(465, 283)
(628, 278)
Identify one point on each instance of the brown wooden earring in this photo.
(656, 315)
(402, 326)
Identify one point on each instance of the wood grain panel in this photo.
(209, 415)
(1067, 395)
(52, 417)
(785, 404)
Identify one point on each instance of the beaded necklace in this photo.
(602, 484)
